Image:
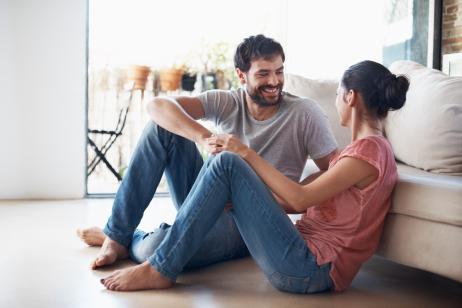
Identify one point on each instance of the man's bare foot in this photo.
(138, 277)
(109, 253)
(93, 236)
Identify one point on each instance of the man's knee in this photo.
(150, 129)
(153, 131)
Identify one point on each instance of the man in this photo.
(284, 129)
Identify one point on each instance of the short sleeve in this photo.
(368, 149)
(319, 138)
(217, 104)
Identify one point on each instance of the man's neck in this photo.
(258, 112)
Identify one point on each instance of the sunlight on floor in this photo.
(44, 264)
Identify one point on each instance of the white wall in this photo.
(42, 98)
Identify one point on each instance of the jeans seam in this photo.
(258, 200)
(193, 219)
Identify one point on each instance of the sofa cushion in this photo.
(427, 195)
(424, 244)
(324, 93)
(427, 132)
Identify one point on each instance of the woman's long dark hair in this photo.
(381, 90)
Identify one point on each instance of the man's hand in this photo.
(203, 141)
(227, 142)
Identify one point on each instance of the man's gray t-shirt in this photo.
(298, 130)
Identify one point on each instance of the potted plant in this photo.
(139, 74)
(188, 79)
(190, 67)
(170, 79)
(218, 67)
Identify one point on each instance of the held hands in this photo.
(226, 142)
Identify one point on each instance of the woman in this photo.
(344, 208)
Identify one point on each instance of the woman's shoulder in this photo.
(373, 143)
(375, 150)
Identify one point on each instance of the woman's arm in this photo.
(312, 177)
(284, 205)
(346, 173)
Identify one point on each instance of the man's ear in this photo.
(241, 75)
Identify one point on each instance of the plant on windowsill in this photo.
(218, 67)
(170, 79)
(189, 78)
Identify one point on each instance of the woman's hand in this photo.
(227, 142)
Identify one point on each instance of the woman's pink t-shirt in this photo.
(346, 229)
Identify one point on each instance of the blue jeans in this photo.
(160, 151)
(255, 221)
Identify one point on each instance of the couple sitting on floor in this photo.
(236, 203)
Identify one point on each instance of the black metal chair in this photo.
(112, 136)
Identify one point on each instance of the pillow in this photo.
(427, 132)
(323, 92)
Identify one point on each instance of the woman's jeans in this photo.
(203, 233)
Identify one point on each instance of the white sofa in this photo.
(424, 226)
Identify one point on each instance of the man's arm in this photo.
(178, 115)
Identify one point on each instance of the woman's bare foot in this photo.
(93, 236)
(138, 277)
(109, 253)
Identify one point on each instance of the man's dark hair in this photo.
(255, 47)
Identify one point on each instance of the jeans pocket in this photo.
(303, 285)
(288, 283)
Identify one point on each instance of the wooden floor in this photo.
(43, 264)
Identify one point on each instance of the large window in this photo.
(132, 44)
(409, 31)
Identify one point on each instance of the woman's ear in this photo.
(351, 98)
(241, 76)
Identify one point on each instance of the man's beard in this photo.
(260, 100)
